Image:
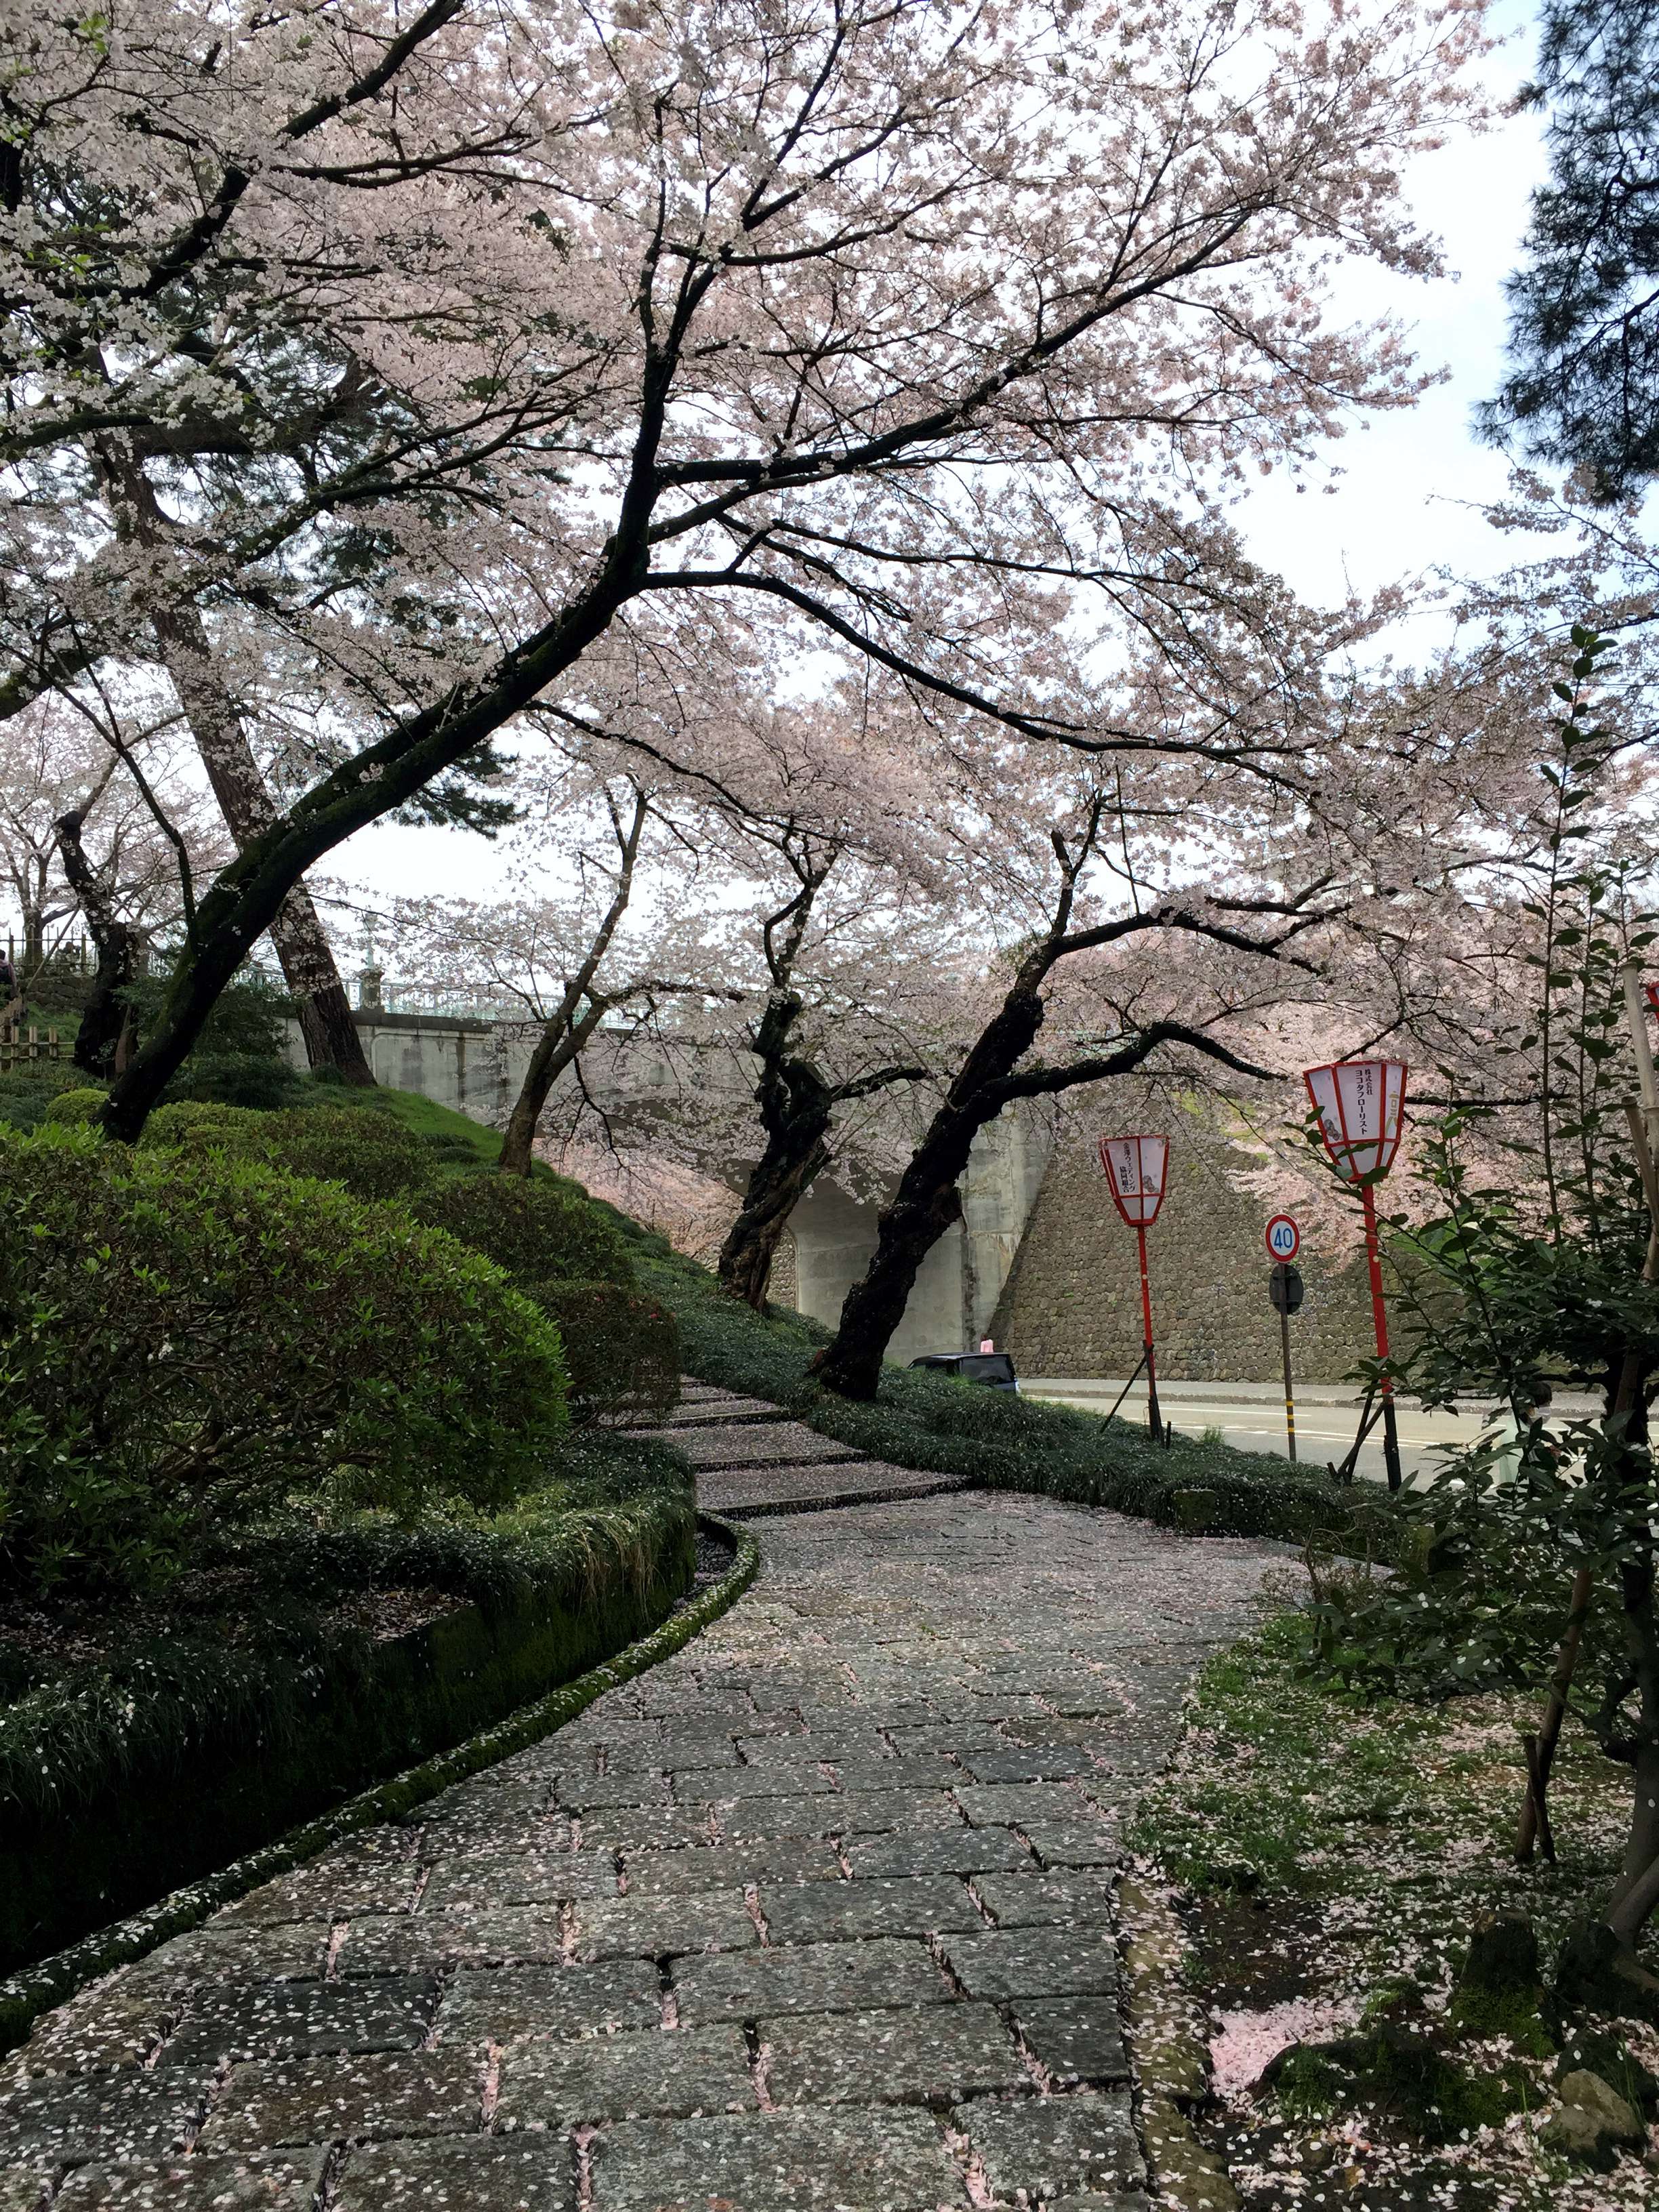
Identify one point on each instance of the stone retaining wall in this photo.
(1071, 1303)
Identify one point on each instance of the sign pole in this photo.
(1290, 1396)
(1379, 1321)
(1154, 1421)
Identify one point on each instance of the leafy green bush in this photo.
(537, 1229)
(240, 1058)
(623, 1351)
(203, 1125)
(372, 1155)
(176, 1349)
(79, 1106)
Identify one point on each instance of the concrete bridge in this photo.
(475, 1067)
(1039, 1262)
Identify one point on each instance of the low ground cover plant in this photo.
(1336, 1850)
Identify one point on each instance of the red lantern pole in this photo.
(1380, 1323)
(1136, 1172)
(1360, 1105)
(1154, 1419)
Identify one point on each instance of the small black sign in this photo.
(1284, 1287)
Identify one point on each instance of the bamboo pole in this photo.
(1644, 1140)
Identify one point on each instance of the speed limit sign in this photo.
(1284, 1237)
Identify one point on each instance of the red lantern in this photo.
(1135, 1170)
(1361, 1106)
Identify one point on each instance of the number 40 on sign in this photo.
(1284, 1237)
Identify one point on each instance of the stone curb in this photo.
(26, 1996)
(1169, 2053)
(893, 1494)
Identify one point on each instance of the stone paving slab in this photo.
(478, 2173)
(819, 1912)
(932, 1851)
(714, 1983)
(508, 1936)
(1054, 2144)
(195, 2184)
(817, 1486)
(1036, 1900)
(820, 1978)
(619, 2077)
(1073, 2039)
(281, 2019)
(935, 2054)
(102, 2117)
(329, 1890)
(510, 2001)
(365, 2096)
(1004, 1963)
(716, 1866)
(777, 1443)
(696, 1413)
(834, 2161)
(488, 1878)
(663, 1927)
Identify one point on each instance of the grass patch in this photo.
(1335, 1853)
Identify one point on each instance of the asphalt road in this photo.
(1251, 1418)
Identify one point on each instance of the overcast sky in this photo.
(1404, 486)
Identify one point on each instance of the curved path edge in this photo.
(25, 1996)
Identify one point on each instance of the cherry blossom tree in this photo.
(101, 828)
(442, 339)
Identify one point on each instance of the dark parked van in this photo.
(994, 1369)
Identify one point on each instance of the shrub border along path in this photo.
(26, 1996)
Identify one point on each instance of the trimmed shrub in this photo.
(371, 1155)
(81, 1106)
(536, 1230)
(623, 1351)
(180, 1349)
(202, 1125)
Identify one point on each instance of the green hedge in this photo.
(623, 1351)
(1000, 1441)
(176, 1348)
(370, 1154)
(243, 1707)
(536, 1228)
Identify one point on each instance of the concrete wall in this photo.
(475, 1067)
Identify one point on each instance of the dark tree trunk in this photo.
(926, 1201)
(797, 1153)
(795, 1105)
(557, 1046)
(107, 1015)
(302, 946)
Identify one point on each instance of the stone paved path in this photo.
(752, 1461)
(816, 1917)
